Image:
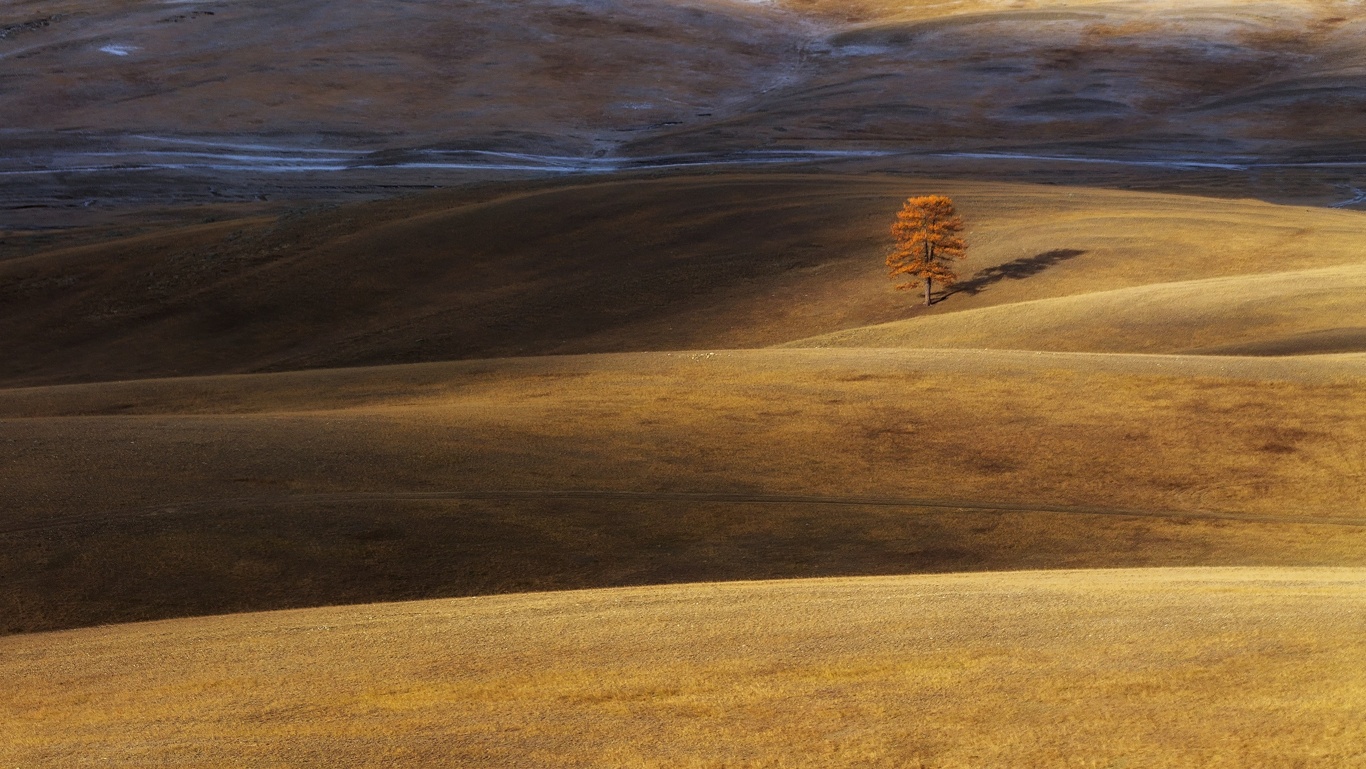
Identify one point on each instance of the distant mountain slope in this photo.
(643, 77)
(1121, 79)
(541, 75)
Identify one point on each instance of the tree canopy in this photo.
(927, 241)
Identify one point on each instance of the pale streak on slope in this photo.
(1160, 318)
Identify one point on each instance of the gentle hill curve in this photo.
(621, 450)
(676, 261)
(1287, 313)
(1159, 667)
(167, 498)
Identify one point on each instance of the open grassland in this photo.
(148, 499)
(165, 498)
(1102, 505)
(1154, 668)
(673, 262)
(1285, 313)
(655, 456)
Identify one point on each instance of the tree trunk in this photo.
(928, 260)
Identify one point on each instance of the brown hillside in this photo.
(676, 262)
(166, 498)
(542, 357)
(541, 76)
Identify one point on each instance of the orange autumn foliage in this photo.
(927, 241)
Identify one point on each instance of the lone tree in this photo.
(926, 232)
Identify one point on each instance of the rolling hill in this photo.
(637, 444)
(661, 262)
(456, 382)
(1064, 668)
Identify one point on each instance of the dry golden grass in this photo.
(1286, 313)
(679, 262)
(1153, 668)
(686, 459)
(189, 496)
(165, 498)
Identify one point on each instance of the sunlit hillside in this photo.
(464, 383)
(683, 261)
(1156, 667)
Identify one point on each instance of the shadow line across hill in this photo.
(261, 555)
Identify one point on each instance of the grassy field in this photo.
(1151, 667)
(668, 263)
(654, 468)
(163, 498)
(1287, 313)
(749, 400)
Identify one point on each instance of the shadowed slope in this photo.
(614, 265)
(731, 260)
(165, 498)
(1027, 669)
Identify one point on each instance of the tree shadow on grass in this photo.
(1026, 267)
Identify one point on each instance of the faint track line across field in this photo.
(733, 498)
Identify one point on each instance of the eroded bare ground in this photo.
(118, 105)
